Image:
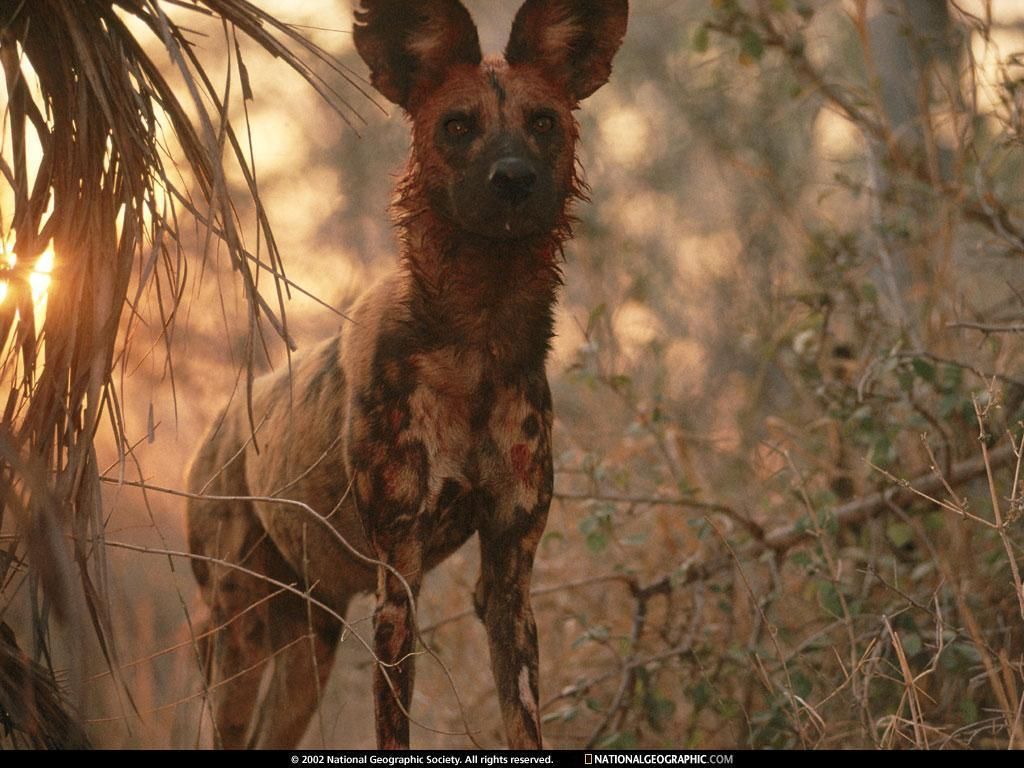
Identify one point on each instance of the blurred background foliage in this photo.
(787, 383)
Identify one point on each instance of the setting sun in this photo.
(39, 278)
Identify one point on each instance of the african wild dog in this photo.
(429, 417)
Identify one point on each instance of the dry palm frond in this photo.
(110, 202)
(33, 712)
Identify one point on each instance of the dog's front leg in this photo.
(508, 543)
(394, 640)
(390, 504)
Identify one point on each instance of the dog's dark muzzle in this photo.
(512, 179)
(507, 192)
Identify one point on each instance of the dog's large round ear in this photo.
(409, 45)
(574, 40)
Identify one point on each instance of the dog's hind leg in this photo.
(304, 639)
(235, 644)
(230, 549)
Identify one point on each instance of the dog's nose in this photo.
(512, 178)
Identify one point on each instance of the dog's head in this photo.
(494, 139)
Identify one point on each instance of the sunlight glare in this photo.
(39, 278)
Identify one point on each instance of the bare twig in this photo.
(988, 327)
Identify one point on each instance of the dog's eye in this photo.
(457, 127)
(542, 124)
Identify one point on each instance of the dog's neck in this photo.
(482, 295)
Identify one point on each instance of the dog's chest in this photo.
(486, 435)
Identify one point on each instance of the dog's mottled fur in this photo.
(429, 418)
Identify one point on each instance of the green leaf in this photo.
(882, 451)
(899, 534)
(751, 44)
(659, 710)
(620, 382)
(911, 644)
(967, 652)
(727, 707)
(923, 369)
(597, 542)
(700, 694)
(802, 558)
(829, 598)
(948, 405)
(952, 378)
(801, 685)
(969, 710)
(701, 39)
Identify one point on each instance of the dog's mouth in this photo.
(513, 224)
(511, 230)
(501, 220)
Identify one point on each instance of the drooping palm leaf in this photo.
(105, 193)
(32, 709)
